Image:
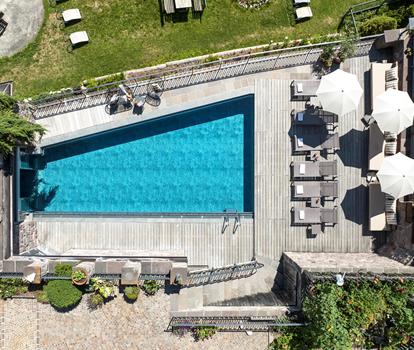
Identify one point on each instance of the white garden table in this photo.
(183, 4)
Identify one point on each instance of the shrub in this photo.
(41, 297)
(327, 56)
(62, 294)
(347, 49)
(6, 102)
(104, 288)
(95, 301)
(150, 287)
(377, 25)
(12, 286)
(203, 333)
(63, 270)
(131, 293)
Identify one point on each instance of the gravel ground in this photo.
(27, 324)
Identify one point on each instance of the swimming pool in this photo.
(196, 161)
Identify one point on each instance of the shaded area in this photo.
(354, 205)
(278, 298)
(36, 194)
(357, 140)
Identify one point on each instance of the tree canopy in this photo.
(15, 130)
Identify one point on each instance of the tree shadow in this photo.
(40, 198)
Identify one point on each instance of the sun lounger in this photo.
(307, 169)
(301, 2)
(302, 89)
(314, 189)
(308, 216)
(376, 147)
(79, 38)
(314, 118)
(71, 16)
(316, 142)
(303, 13)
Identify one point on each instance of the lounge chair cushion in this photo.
(71, 15)
(304, 12)
(79, 38)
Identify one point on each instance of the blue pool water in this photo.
(199, 160)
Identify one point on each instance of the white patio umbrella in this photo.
(396, 175)
(339, 92)
(394, 111)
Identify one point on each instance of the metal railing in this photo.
(222, 274)
(178, 77)
(232, 324)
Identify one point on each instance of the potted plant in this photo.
(79, 277)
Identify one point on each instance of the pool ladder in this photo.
(226, 221)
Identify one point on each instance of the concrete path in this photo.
(24, 18)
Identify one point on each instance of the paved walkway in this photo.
(24, 18)
(27, 324)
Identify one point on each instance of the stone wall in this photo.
(28, 238)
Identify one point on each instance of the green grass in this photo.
(127, 34)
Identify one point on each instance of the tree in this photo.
(15, 130)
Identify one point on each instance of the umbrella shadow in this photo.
(353, 149)
(354, 205)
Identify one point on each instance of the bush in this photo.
(150, 287)
(62, 294)
(203, 333)
(131, 293)
(95, 301)
(41, 297)
(327, 56)
(6, 102)
(63, 270)
(104, 288)
(12, 286)
(377, 25)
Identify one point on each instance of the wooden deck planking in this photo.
(273, 155)
(200, 239)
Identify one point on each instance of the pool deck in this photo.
(270, 232)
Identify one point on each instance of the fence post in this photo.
(247, 62)
(277, 59)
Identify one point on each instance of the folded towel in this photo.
(300, 142)
(300, 116)
(301, 215)
(302, 168)
(299, 189)
(300, 87)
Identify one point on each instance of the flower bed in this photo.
(252, 4)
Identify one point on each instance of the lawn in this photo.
(127, 34)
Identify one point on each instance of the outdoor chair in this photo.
(303, 13)
(309, 169)
(168, 6)
(71, 16)
(78, 39)
(304, 89)
(314, 189)
(308, 216)
(301, 2)
(317, 142)
(199, 5)
(390, 148)
(3, 26)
